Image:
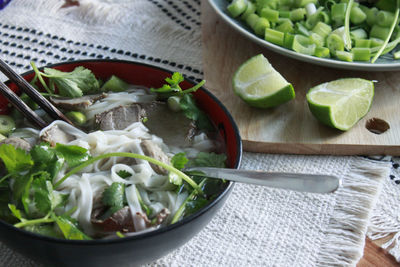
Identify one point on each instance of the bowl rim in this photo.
(160, 230)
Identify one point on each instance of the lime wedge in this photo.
(341, 103)
(260, 85)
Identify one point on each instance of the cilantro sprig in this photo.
(172, 87)
(76, 83)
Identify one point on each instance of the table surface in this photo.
(376, 256)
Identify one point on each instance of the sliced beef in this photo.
(173, 127)
(17, 143)
(154, 151)
(119, 221)
(55, 135)
(120, 117)
(76, 103)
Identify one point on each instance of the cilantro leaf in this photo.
(74, 155)
(179, 160)
(69, 229)
(42, 153)
(15, 159)
(41, 190)
(124, 174)
(16, 212)
(194, 205)
(172, 87)
(191, 111)
(204, 159)
(76, 83)
(114, 198)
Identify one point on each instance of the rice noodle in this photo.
(85, 188)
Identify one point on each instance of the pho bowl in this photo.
(149, 245)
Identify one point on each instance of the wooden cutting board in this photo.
(291, 128)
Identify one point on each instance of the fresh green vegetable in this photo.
(7, 124)
(76, 83)
(357, 25)
(172, 88)
(113, 198)
(77, 117)
(115, 84)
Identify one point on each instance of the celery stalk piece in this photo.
(300, 29)
(379, 32)
(322, 52)
(284, 14)
(303, 3)
(303, 45)
(362, 43)
(388, 5)
(237, 7)
(376, 42)
(274, 36)
(261, 25)
(270, 14)
(371, 15)
(317, 39)
(384, 18)
(345, 56)
(288, 40)
(286, 26)
(396, 55)
(357, 16)
(322, 29)
(335, 43)
(338, 12)
(250, 9)
(252, 19)
(381, 50)
(359, 33)
(297, 14)
(310, 9)
(361, 53)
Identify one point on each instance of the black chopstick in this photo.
(32, 93)
(21, 106)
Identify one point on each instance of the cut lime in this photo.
(341, 103)
(260, 85)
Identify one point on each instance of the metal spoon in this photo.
(313, 183)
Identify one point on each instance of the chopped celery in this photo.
(303, 45)
(335, 43)
(357, 16)
(345, 56)
(260, 26)
(237, 7)
(270, 14)
(362, 43)
(396, 55)
(379, 32)
(361, 53)
(344, 29)
(274, 36)
(322, 29)
(250, 9)
(322, 52)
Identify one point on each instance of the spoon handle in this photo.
(313, 183)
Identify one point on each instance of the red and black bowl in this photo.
(148, 246)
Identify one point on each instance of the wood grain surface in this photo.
(291, 128)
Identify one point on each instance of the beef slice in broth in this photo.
(120, 117)
(173, 127)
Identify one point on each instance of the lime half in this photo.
(341, 103)
(260, 85)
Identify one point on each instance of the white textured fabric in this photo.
(257, 226)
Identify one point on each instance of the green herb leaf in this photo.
(191, 111)
(204, 159)
(179, 160)
(15, 159)
(16, 212)
(124, 174)
(113, 197)
(74, 155)
(44, 229)
(76, 83)
(194, 205)
(69, 229)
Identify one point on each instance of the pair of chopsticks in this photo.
(48, 107)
